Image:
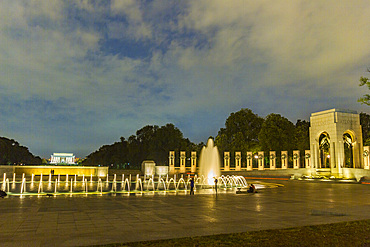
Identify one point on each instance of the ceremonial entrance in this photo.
(336, 142)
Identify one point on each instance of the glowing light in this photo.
(209, 162)
(211, 178)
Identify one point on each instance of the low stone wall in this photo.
(127, 172)
(279, 173)
(62, 170)
(358, 174)
(9, 170)
(350, 173)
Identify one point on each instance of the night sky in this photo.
(75, 75)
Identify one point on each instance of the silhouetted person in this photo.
(3, 194)
(251, 189)
(192, 186)
(216, 181)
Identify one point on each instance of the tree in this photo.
(365, 81)
(116, 153)
(149, 143)
(365, 125)
(277, 134)
(302, 135)
(240, 132)
(12, 153)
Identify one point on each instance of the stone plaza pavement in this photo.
(80, 220)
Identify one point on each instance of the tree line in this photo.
(244, 131)
(149, 143)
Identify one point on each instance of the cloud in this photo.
(76, 75)
(136, 27)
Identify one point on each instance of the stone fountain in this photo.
(209, 170)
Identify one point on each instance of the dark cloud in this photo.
(77, 75)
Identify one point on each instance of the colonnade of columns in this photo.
(246, 163)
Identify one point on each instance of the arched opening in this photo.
(348, 150)
(324, 148)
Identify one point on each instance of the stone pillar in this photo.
(272, 160)
(171, 162)
(333, 163)
(366, 157)
(226, 161)
(284, 159)
(182, 161)
(249, 161)
(315, 156)
(307, 158)
(261, 160)
(296, 159)
(238, 160)
(193, 161)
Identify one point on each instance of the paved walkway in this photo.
(90, 220)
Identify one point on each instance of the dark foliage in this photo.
(365, 125)
(365, 81)
(240, 132)
(12, 153)
(277, 134)
(149, 143)
(245, 131)
(302, 135)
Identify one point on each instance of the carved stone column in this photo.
(284, 159)
(226, 161)
(261, 161)
(249, 161)
(238, 160)
(193, 161)
(366, 155)
(296, 159)
(171, 162)
(307, 158)
(272, 160)
(182, 161)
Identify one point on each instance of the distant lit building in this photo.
(63, 158)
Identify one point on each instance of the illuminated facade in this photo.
(336, 151)
(62, 158)
(336, 141)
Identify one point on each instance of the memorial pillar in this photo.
(226, 161)
(171, 162)
(238, 160)
(182, 161)
(249, 161)
(261, 160)
(193, 162)
(272, 160)
(307, 158)
(366, 157)
(296, 159)
(284, 159)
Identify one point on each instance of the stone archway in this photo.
(335, 142)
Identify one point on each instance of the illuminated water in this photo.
(59, 185)
(209, 163)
